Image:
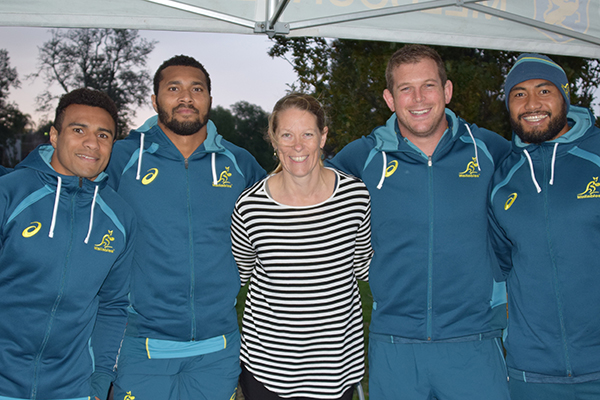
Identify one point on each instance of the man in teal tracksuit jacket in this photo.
(544, 209)
(182, 179)
(437, 311)
(66, 247)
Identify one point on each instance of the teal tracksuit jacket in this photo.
(66, 248)
(184, 279)
(431, 275)
(545, 218)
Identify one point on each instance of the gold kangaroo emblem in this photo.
(224, 177)
(591, 187)
(106, 239)
(129, 396)
(470, 168)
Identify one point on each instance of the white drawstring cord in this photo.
(553, 162)
(539, 189)
(214, 171)
(139, 168)
(380, 184)
(474, 145)
(87, 238)
(56, 200)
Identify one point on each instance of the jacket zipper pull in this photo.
(429, 162)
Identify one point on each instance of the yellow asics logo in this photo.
(591, 190)
(470, 172)
(150, 176)
(224, 179)
(510, 201)
(392, 166)
(565, 88)
(233, 396)
(32, 229)
(128, 396)
(104, 245)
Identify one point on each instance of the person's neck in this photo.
(302, 191)
(186, 144)
(427, 144)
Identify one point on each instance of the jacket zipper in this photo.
(430, 251)
(54, 307)
(191, 249)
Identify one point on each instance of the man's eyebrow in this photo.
(517, 87)
(194, 83)
(101, 129)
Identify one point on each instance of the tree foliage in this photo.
(110, 60)
(245, 125)
(13, 123)
(348, 77)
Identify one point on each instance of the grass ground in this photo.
(367, 304)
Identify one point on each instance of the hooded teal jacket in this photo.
(66, 247)
(431, 275)
(184, 279)
(545, 219)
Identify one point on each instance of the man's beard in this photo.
(185, 128)
(538, 136)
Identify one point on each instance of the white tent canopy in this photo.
(569, 27)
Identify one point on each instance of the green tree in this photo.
(13, 123)
(348, 77)
(111, 60)
(246, 125)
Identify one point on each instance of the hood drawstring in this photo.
(380, 184)
(474, 145)
(214, 168)
(553, 162)
(538, 188)
(139, 167)
(87, 238)
(55, 211)
(56, 199)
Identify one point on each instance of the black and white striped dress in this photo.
(302, 330)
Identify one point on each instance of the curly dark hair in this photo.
(86, 97)
(179, 61)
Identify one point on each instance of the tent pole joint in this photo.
(280, 28)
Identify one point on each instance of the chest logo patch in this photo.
(224, 179)
(471, 171)
(510, 201)
(392, 167)
(150, 176)
(104, 245)
(32, 229)
(129, 396)
(591, 191)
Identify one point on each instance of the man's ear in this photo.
(389, 100)
(53, 136)
(448, 91)
(154, 103)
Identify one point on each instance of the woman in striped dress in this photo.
(302, 237)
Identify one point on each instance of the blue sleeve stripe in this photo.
(29, 200)
(230, 155)
(111, 214)
(480, 144)
(136, 154)
(586, 155)
(508, 177)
